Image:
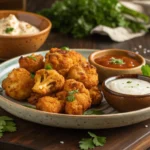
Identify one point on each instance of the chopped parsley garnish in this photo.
(32, 75)
(48, 67)
(71, 97)
(8, 30)
(146, 70)
(7, 124)
(92, 142)
(129, 81)
(32, 57)
(116, 61)
(29, 106)
(93, 112)
(65, 48)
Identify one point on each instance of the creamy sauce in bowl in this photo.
(12, 26)
(130, 86)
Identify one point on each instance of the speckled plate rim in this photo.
(4, 103)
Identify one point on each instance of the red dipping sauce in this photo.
(117, 61)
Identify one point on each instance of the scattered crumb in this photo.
(140, 46)
(148, 51)
(137, 52)
(146, 126)
(61, 142)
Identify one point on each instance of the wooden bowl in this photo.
(106, 72)
(125, 102)
(15, 45)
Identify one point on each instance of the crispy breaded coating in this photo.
(81, 98)
(47, 81)
(34, 97)
(18, 84)
(50, 104)
(85, 73)
(95, 95)
(63, 60)
(32, 63)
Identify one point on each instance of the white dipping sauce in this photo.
(12, 26)
(129, 86)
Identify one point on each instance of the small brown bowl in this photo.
(106, 72)
(125, 102)
(15, 45)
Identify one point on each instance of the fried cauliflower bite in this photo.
(50, 104)
(85, 73)
(95, 95)
(81, 98)
(32, 63)
(63, 60)
(18, 84)
(47, 82)
(34, 97)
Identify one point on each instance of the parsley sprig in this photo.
(71, 97)
(113, 60)
(78, 17)
(7, 124)
(146, 70)
(48, 67)
(8, 30)
(92, 142)
(65, 48)
(32, 57)
(93, 112)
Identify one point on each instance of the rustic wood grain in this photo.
(42, 137)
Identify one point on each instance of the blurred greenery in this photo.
(79, 17)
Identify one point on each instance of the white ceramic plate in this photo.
(110, 119)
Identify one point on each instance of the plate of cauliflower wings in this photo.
(60, 88)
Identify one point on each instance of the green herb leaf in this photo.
(65, 48)
(116, 61)
(90, 143)
(32, 75)
(71, 97)
(8, 30)
(48, 67)
(146, 70)
(129, 81)
(29, 106)
(93, 112)
(5, 118)
(32, 57)
(6, 125)
(86, 144)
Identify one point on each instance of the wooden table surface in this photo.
(40, 137)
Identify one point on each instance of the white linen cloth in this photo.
(120, 34)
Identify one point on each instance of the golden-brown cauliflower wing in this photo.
(50, 104)
(18, 84)
(77, 97)
(62, 60)
(34, 97)
(95, 95)
(85, 73)
(32, 63)
(47, 81)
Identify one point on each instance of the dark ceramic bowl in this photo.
(124, 102)
(15, 45)
(106, 72)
